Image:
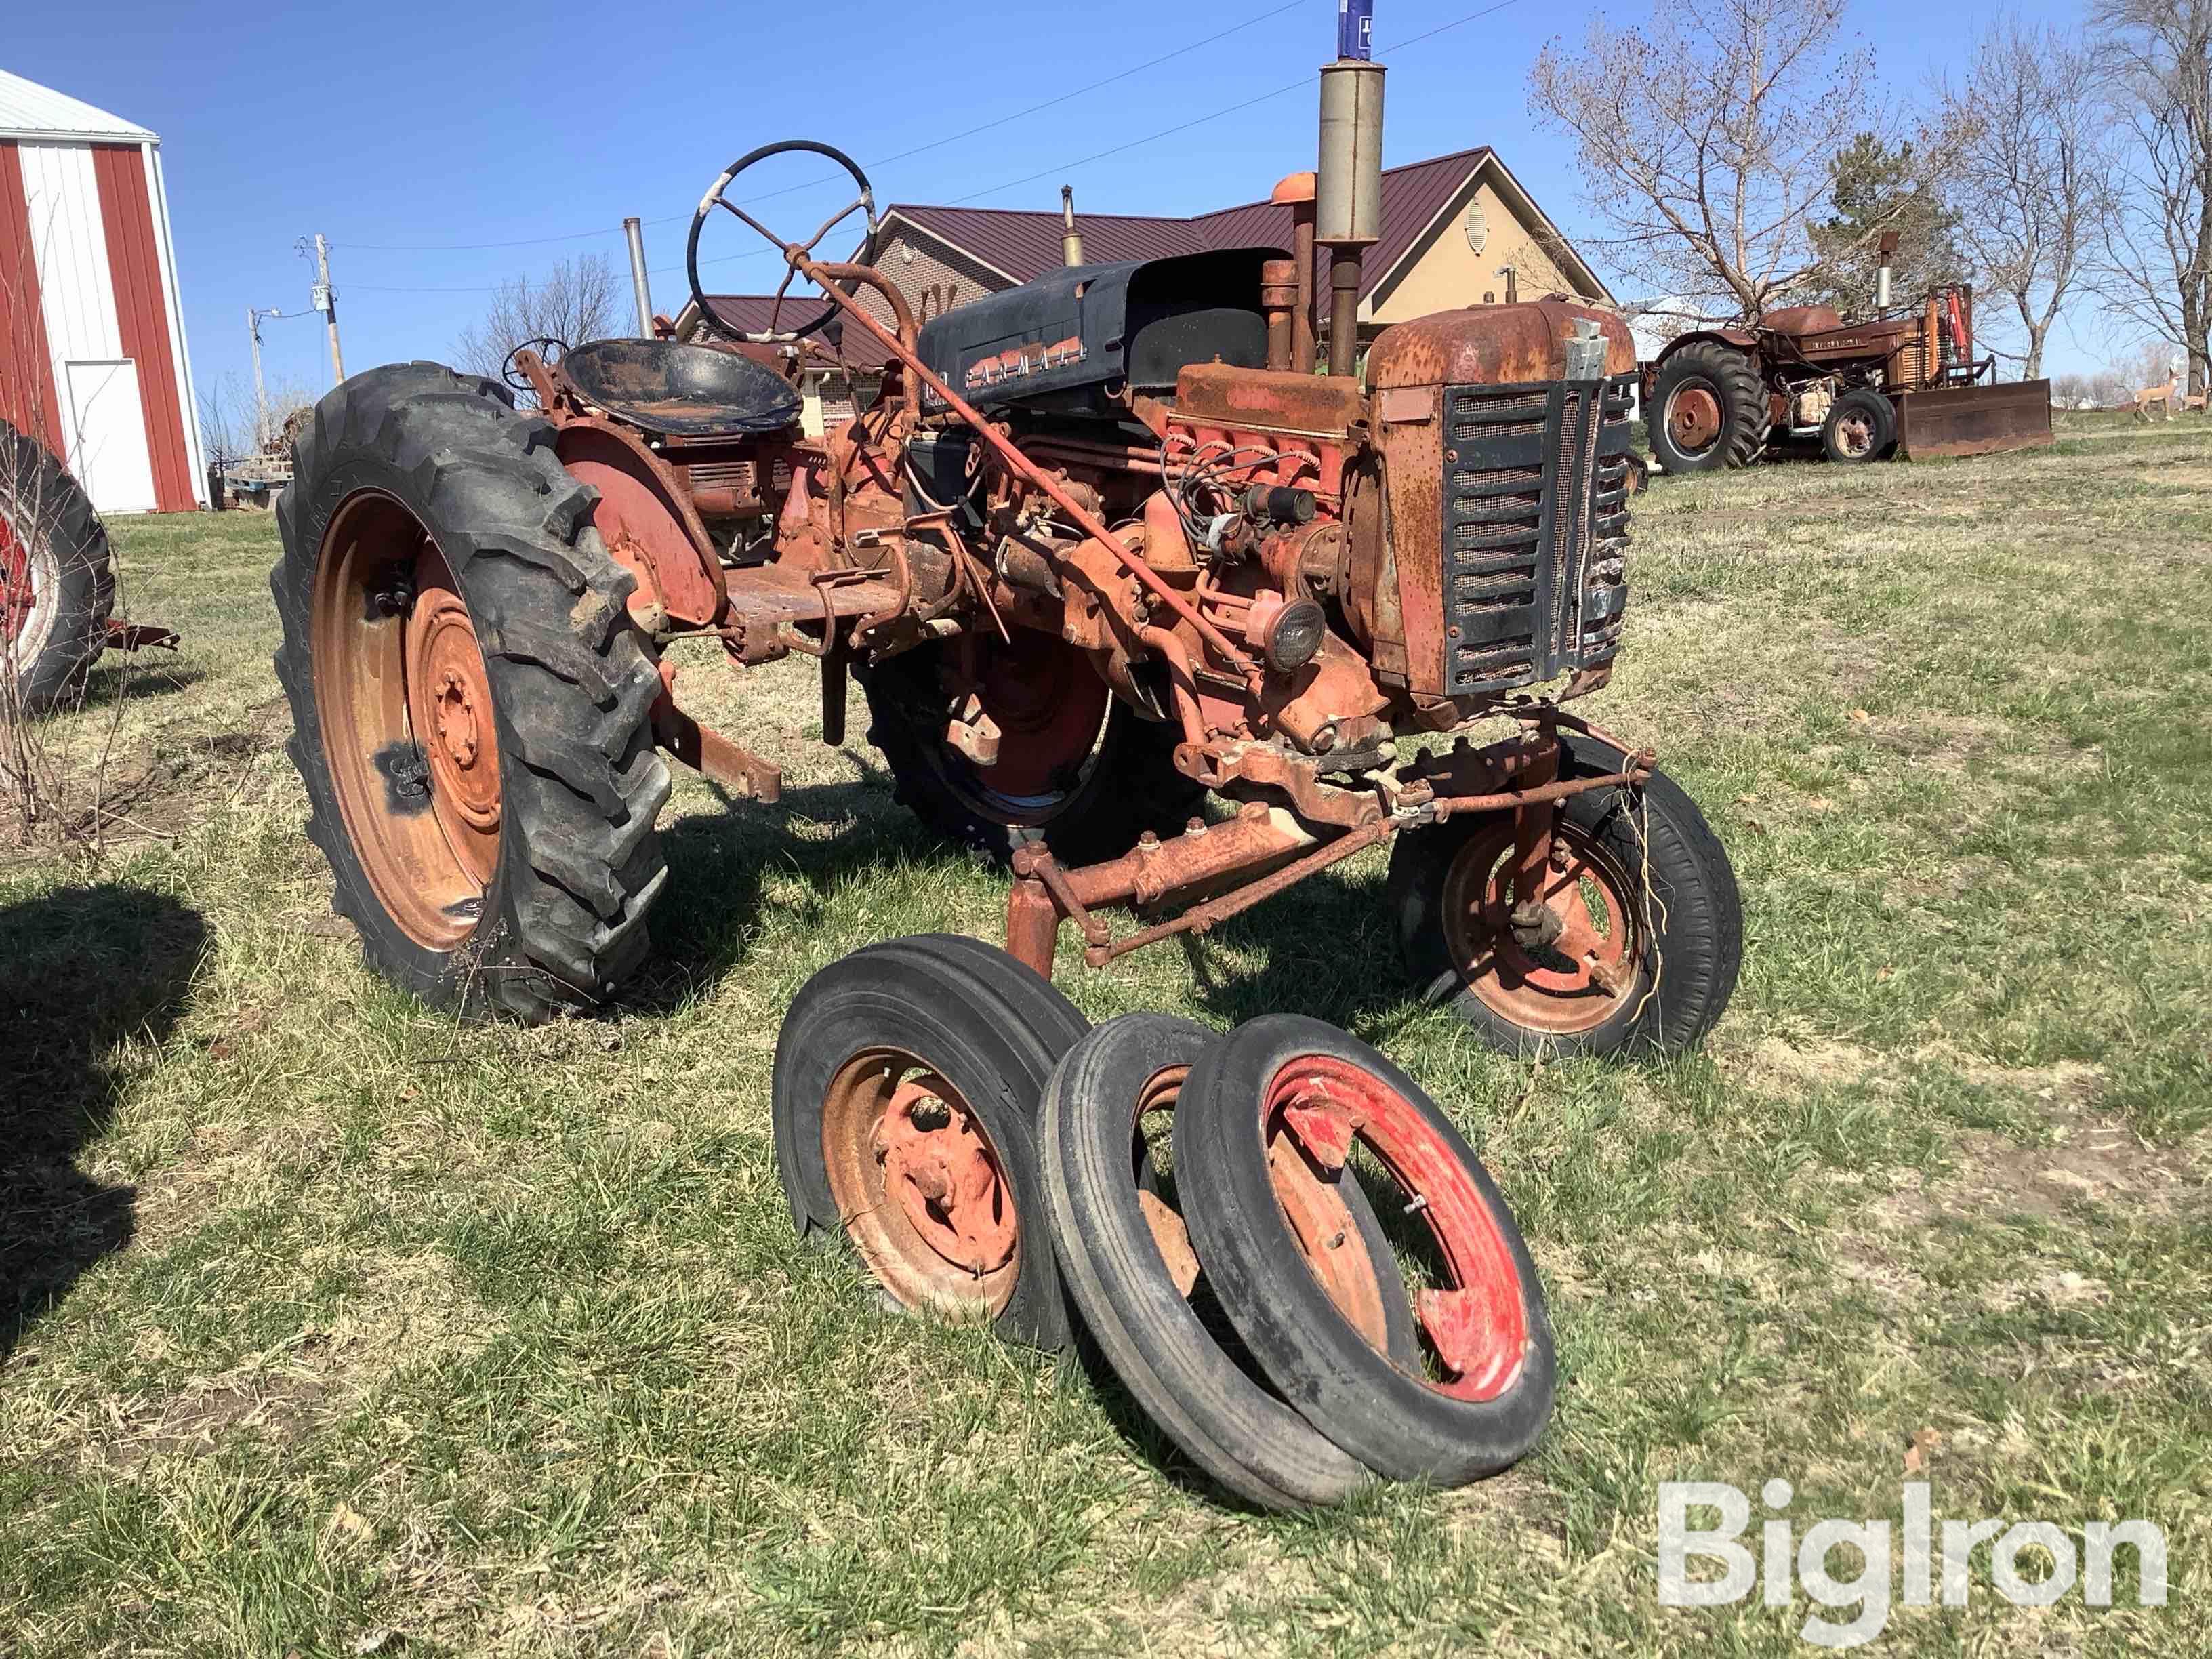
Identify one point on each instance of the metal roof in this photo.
(750, 313)
(29, 110)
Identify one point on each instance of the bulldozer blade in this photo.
(1974, 420)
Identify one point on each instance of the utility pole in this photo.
(260, 391)
(635, 232)
(326, 303)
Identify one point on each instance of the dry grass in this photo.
(334, 1328)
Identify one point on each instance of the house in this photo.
(1457, 230)
(92, 336)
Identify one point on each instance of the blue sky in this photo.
(394, 126)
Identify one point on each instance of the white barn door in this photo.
(107, 436)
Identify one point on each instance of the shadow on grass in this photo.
(132, 678)
(81, 969)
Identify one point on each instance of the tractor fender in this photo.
(646, 520)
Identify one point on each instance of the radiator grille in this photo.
(1535, 531)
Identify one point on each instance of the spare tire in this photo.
(57, 579)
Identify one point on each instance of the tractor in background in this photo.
(1719, 397)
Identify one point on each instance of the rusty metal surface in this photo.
(1493, 345)
(707, 751)
(137, 636)
(666, 386)
(646, 519)
(1974, 420)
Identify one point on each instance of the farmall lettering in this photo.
(1016, 361)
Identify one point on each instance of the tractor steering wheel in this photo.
(514, 377)
(864, 202)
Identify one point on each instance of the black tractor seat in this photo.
(682, 390)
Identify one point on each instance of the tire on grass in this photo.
(57, 578)
(1721, 383)
(909, 1076)
(469, 698)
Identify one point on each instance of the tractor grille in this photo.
(1535, 531)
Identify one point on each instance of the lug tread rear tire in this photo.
(573, 682)
(69, 537)
(1734, 377)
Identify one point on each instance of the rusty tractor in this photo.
(1103, 545)
(1863, 391)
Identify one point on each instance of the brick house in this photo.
(1453, 227)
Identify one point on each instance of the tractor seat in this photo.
(682, 390)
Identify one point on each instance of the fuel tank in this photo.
(1504, 437)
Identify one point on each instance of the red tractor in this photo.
(1101, 547)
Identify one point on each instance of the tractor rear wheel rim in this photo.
(1050, 708)
(920, 1188)
(1694, 417)
(1475, 1321)
(1574, 984)
(19, 585)
(408, 724)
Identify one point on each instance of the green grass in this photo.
(337, 1319)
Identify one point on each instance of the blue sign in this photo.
(1355, 28)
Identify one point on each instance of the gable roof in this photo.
(1022, 244)
(748, 314)
(29, 110)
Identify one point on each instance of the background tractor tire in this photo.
(543, 911)
(1862, 427)
(1729, 379)
(56, 579)
(1120, 780)
(1679, 957)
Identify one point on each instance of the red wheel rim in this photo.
(921, 1190)
(1476, 1322)
(18, 595)
(1693, 418)
(408, 724)
(1855, 436)
(1575, 984)
(1048, 704)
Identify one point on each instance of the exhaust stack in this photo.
(1070, 239)
(1348, 193)
(1881, 276)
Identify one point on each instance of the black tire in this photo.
(1692, 925)
(1861, 427)
(62, 549)
(562, 920)
(1383, 1412)
(1732, 377)
(1129, 786)
(1241, 1435)
(991, 1029)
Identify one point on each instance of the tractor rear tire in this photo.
(57, 579)
(1116, 779)
(471, 698)
(1708, 411)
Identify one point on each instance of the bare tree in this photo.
(2027, 126)
(578, 300)
(1706, 140)
(2154, 270)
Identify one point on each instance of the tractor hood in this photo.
(1493, 345)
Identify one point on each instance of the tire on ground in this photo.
(1241, 1434)
(1691, 927)
(52, 541)
(1860, 413)
(1731, 376)
(1386, 1413)
(561, 921)
(992, 1030)
(1130, 784)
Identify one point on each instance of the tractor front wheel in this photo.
(471, 699)
(1650, 924)
(1074, 767)
(1708, 410)
(1862, 427)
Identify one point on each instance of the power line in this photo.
(884, 161)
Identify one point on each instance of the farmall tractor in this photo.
(1103, 546)
(1719, 397)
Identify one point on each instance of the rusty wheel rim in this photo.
(1572, 985)
(920, 1188)
(1050, 708)
(1475, 1321)
(408, 724)
(1693, 418)
(19, 585)
(1855, 436)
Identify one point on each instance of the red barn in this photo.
(92, 338)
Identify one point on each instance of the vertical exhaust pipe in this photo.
(1070, 239)
(1881, 276)
(1297, 192)
(1348, 193)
